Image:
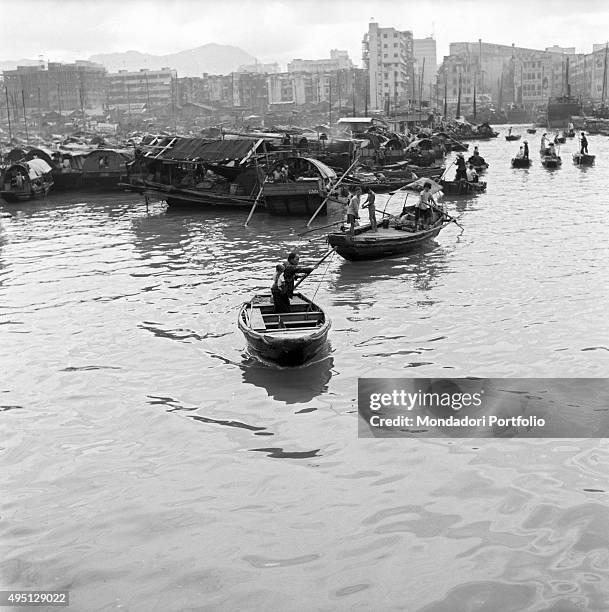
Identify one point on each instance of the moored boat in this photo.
(301, 190)
(531, 130)
(287, 338)
(583, 159)
(387, 241)
(27, 180)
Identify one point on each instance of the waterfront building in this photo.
(155, 88)
(258, 68)
(425, 66)
(504, 74)
(59, 87)
(338, 60)
(387, 54)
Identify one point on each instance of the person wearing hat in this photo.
(525, 153)
(584, 144)
(461, 168)
(544, 144)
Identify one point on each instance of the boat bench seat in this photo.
(293, 317)
(256, 320)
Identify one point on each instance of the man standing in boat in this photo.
(584, 144)
(525, 152)
(353, 211)
(423, 207)
(461, 168)
(285, 282)
(371, 208)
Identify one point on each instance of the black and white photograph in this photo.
(303, 305)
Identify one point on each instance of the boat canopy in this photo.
(106, 160)
(202, 149)
(304, 165)
(37, 168)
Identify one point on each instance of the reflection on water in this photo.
(291, 385)
(148, 464)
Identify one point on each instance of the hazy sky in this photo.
(65, 30)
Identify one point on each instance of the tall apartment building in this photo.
(58, 87)
(388, 55)
(589, 75)
(425, 65)
(154, 88)
(338, 60)
(505, 74)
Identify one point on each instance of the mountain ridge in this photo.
(211, 58)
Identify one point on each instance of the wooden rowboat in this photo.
(386, 241)
(513, 137)
(462, 187)
(583, 159)
(286, 339)
(531, 130)
(521, 162)
(551, 162)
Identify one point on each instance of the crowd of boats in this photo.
(295, 337)
(289, 172)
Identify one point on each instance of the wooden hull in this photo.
(514, 137)
(24, 196)
(292, 199)
(521, 163)
(387, 242)
(551, 162)
(175, 196)
(583, 160)
(532, 131)
(462, 187)
(284, 347)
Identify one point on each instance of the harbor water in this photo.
(149, 463)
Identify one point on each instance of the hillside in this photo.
(211, 58)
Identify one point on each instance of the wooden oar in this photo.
(447, 168)
(316, 265)
(444, 214)
(331, 190)
(321, 226)
(255, 204)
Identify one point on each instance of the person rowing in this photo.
(284, 281)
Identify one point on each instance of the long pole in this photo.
(255, 204)
(330, 102)
(605, 77)
(421, 83)
(332, 190)
(27, 138)
(330, 251)
(8, 115)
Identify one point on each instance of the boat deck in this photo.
(303, 316)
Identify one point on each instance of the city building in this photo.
(504, 74)
(387, 54)
(155, 88)
(425, 66)
(258, 68)
(59, 87)
(339, 60)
